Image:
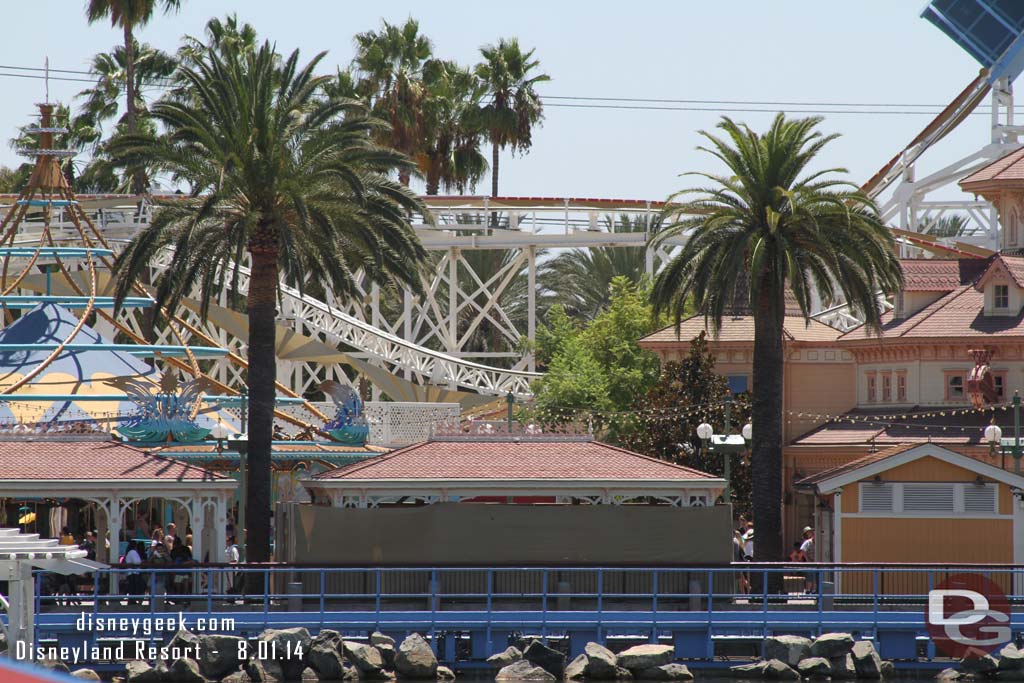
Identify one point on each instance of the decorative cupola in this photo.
(1002, 183)
(1003, 286)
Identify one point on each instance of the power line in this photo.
(741, 102)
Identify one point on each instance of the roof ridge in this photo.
(934, 307)
(356, 466)
(653, 459)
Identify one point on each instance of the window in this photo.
(901, 386)
(1002, 296)
(738, 384)
(876, 497)
(871, 387)
(999, 381)
(980, 499)
(954, 387)
(886, 387)
(698, 501)
(1011, 240)
(928, 499)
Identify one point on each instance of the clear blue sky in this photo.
(869, 51)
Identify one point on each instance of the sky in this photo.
(798, 51)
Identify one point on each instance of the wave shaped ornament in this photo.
(349, 426)
(169, 414)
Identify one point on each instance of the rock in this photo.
(218, 655)
(288, 646)
(866, 661)
(888, 669)
(778, 670)
(948, 675)
(237, 677)
(666, 672)
(309, 676)
(139, 671)
(601, 662)
(415, 658)
(185, 670)
(445, 674)
(86, 675)
(364, 657)
(524, 671)
(184, 641)
(978, 665)
(576, 669)
(789, 649)
(549, 659)
(1010, 658)
(829, 645)
(387, 653)
(843, 667)
(640, 657)
(814, 666)
(378, 638)
(511, 655)
(264, 671)
(755, 670)
(53, 665)
(622, 674)
(351, 674)
(326, 659)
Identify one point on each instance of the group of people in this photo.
(162, 548)
(743, 551)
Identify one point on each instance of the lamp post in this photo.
(994, 435)
(726, 444)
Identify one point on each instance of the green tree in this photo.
(580, 279)
(687, 393)
(515, 107)
(953, 225)
(129, 15)
(770, 219)
(227, 35)
(289, 179)
(449, 154)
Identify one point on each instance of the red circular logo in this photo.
(968, 616)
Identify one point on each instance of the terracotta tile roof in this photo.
(1008, 169)
(504, 460)
(741, 329)
(278, 448)
(940, 275)
(1015, 266)
(65, 460)
(878, 427)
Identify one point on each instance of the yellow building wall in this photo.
(818, 389)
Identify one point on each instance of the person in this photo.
(796, 554)
(156, 539)
(748, 542)
(65, 537)
(134, 582)
(89, 545)
(807, 548)
(180, 555)
(737, 556)
(170, 535)
(159, 558)
(188, 543)
(233, 582)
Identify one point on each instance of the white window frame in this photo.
(996, 297)
(897, 501)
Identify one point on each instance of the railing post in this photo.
(544, 593)
(764, 590)
(266, 591)
(654, 591)
(323, 590)
(874, 588)
(377, 600)
(490, 590)
(209, 589)
(600, 589)
(711, 592)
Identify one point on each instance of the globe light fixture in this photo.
(704, 431)
(748, 432)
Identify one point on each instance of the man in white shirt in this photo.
(807, 547)
(748, 542)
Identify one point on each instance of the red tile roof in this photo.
(505, 460)
(44, 459)
(741, 329)
(940, 275)
(1007, 170)
(858, 427)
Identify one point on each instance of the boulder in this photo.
(138, 671)
(185, 670)
(666, 672)
(601, 662)
(288, 646)
(829, 645)
(814, 667)
(888, 669)
(350, 674)
(53, 665)
(576, 669)
(948, 675)
(640, 657)
(327, 636)
(511, 655)
(264, 671)
(549, 659)
(843, 667)
(86, 675)
(778, 670)
(789, 649)
(415, 658)
(1011, 658)
(237, 677)
(979, 665)
(218, 655)
(184, 641)
(378, 638)
(622, 674)
(309, 676)
(364, 657)
(866, 661)
(755, 670)
(445, 674)
(387, 653)
(524, 671)
(326, 659)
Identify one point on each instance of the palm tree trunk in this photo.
(766, 411)
(433, 181)
(262, 302)
(138, 178)
(494, 169)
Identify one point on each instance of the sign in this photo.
(968, 616)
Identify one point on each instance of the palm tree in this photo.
(449, 154)
(227, 36)
(771, 223)
(953, 225)
(129, 14)
(286, 177)
(580, 279)
(390, 65)
(515, 106)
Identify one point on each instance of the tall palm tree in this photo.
(449, 154)
(773, 224)
(226, 35)
(286, 177)
(390, 66)
(580, 279)
(515, 107)
(127, 15)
